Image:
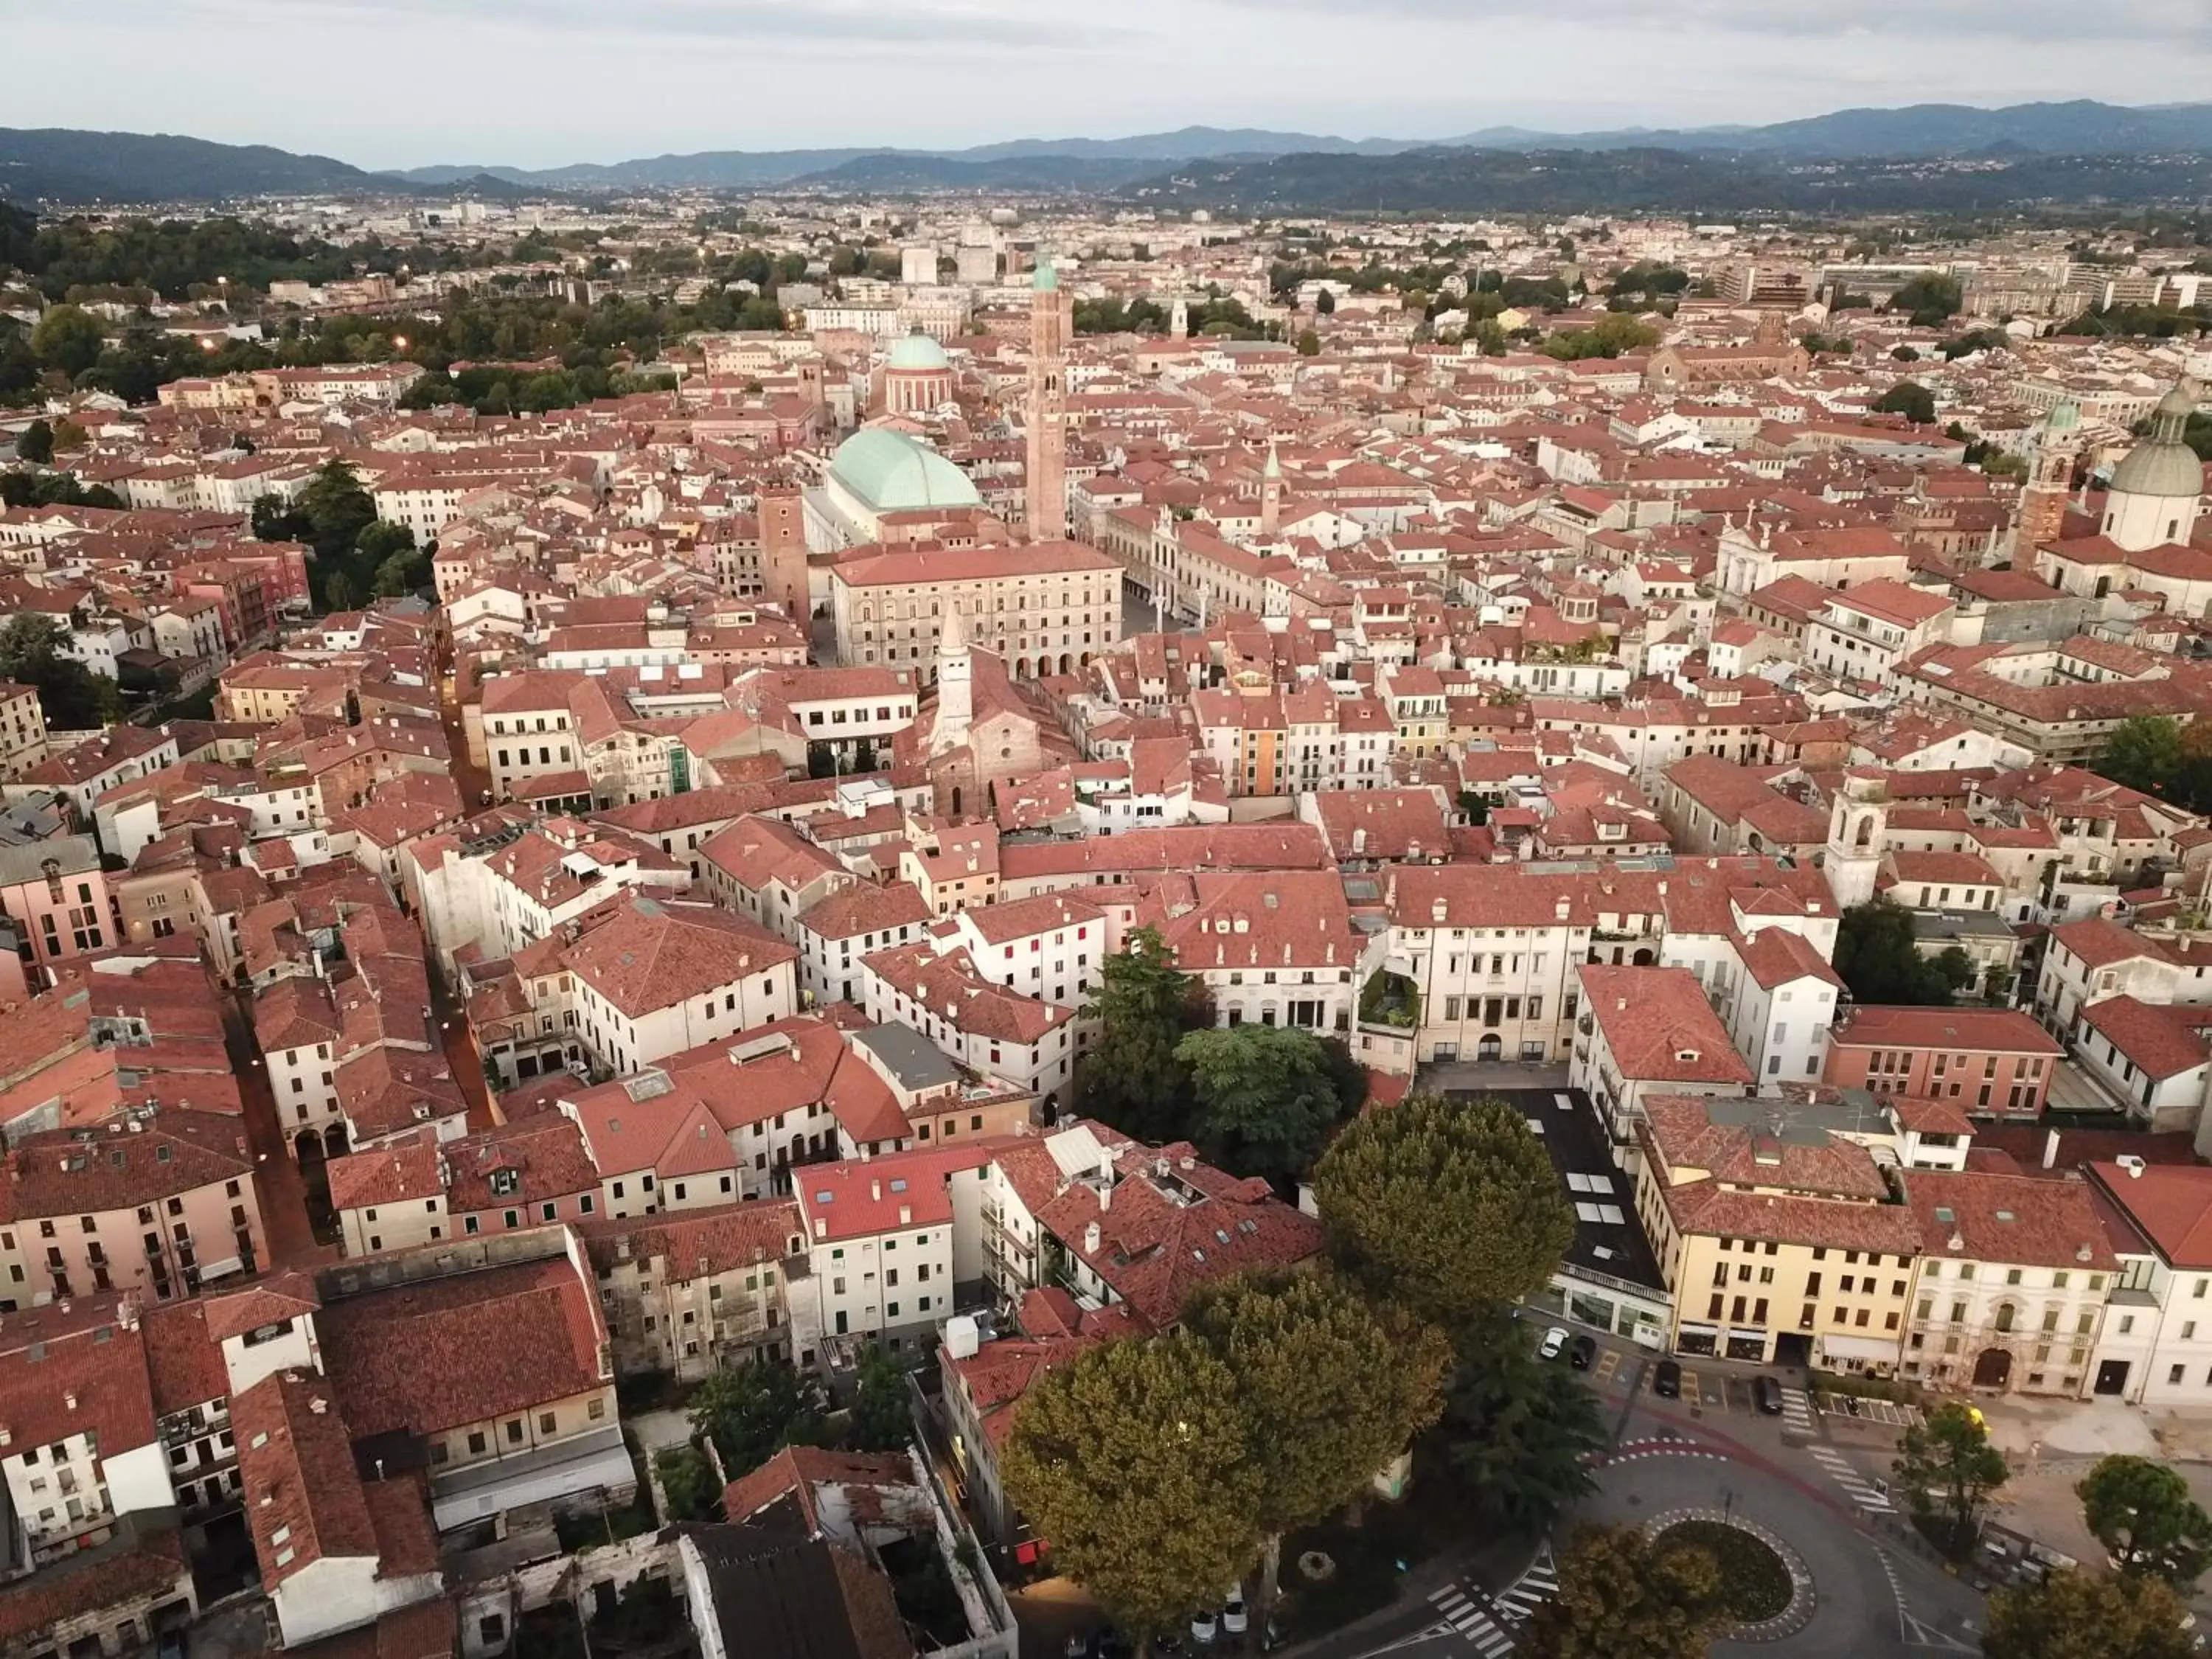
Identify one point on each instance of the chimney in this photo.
(875, 1191)
(2051, 1150)
(1090, 1239)
(1106, 1195)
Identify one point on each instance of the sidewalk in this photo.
(1492, 1564)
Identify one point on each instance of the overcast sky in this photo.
(541, 83)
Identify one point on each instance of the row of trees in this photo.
(1163, 1468)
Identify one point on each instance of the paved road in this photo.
(1712, 1449)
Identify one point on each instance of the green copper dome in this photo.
(895, 473)
(919, 352)
(1048, 275)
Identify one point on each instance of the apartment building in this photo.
(2015, 1274)
(687, 1293)
(1271, 947)
(1645, 1032)
(1777, 1236)
(1991, 1062)
(156, 1204)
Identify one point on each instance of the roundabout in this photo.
(1767, 1588)
(1798, 1568)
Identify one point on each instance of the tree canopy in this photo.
(1947, 1468)
(882, 1419)
(1521, 1431)
(2144, 752)
(1332, 1388)
(2073, 1615)
(1450, 1210)
(36, 444)
(70, 695)
(1265, 1097)
(1133, 1462)
(1910, 399)
(752, 1411)
(2143, 1514)
(1877, 957)
(1626, 1596)
(1929, 298)
(1131, 1076)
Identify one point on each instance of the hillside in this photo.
(85, 166)
(1660, 180)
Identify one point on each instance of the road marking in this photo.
(1608, 1364)
(1471, 1621)
(1796, 1411)
(1912, 1632)
(1864, 1491)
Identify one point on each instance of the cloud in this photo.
(2186, 23)
(658, 25)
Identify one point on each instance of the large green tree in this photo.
(1947, 1468)
(1143, 1004)
(68, 340)
(1910, 399)
(2143, 1514)
(752, 1411)
(1266, 1098)
(1880, 961)
(70, 695)
(336, 509)
(1521, 1431)
(1450, 1209)
(2144, 751)
(1132, 1463)
(36, 445)
(2073, 1615)
(1622, 1596)
(882, 1420)
(1332, 1388)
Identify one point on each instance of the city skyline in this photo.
(676, 76)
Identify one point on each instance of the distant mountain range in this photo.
(62, 165)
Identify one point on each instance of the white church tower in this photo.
(1858, 828)
(956, 685)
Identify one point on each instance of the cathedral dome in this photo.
(2162, 464)
(892, 472)
(918, 353)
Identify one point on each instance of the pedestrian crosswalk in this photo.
(1473, 1621)
(1532, 1588)
(1796, 1411)
(1868, 1494)
(1492, 1624)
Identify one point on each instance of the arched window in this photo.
(1865, 837)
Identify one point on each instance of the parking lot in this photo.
(1709, 1391)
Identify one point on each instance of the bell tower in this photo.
(1858, 831)
(2043, 501)
(1271, 494)
(1051, 321)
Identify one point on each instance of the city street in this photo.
(1872, 1590)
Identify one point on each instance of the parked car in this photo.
(1204, 1626)
(1554, 1339)
(1769, 1395)
(1581, 1351)
(1667, 1380)
(1235, 1621)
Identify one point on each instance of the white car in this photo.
(1204, 1626)
(1555, 1339)
(1234, 1620)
